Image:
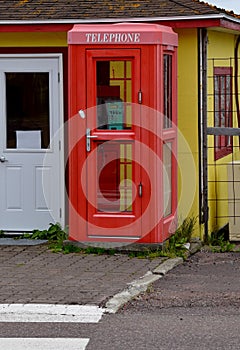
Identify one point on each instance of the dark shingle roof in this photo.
(97, 9)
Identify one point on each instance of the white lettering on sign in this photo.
(113, 37)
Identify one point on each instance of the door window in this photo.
(115, 186)
(114, 94)
(27, 108)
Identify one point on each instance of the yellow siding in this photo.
(221, 49)
(188, 123)
(33, 39)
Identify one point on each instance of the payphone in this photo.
(123, 185)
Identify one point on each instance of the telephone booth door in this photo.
(113, 143)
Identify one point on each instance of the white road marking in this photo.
(43, 343)
(50, 313)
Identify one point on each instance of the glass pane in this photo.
(167, 178)
(114, 90)
(222, 97)
(228, 101)
(114, 169)
(27, 104)
(217, 109)
(222, 107)
(167, 91)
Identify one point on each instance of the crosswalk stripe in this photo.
(50, 313)
(43, 343)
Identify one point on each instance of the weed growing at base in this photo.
(57, 236)
(219, 244)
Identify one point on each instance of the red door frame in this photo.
(100, 224)
(170, 135)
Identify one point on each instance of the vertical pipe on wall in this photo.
(200, 118)
(202, 130)
(236, 79)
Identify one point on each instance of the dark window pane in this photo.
(222, 108)
(167, 90)
(27, 104)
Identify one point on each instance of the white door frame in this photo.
(60, 112)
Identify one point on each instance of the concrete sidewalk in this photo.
(33, 274)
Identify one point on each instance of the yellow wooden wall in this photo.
(220, 48)
(36, 39)
(188, 189)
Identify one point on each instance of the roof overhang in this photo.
(220, 20)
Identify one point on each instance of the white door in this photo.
(31, 191)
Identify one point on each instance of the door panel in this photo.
(14, 190)
(31, 159)
(114, 206)
(43, 198)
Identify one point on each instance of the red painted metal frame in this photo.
(170, 135)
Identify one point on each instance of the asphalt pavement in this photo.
(206, 280)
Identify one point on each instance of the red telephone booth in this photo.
(122, 132)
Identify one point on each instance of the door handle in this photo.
(88, 139)
(140, 189)
(82, 114)
(3, 159)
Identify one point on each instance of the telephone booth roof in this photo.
(122, 33)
